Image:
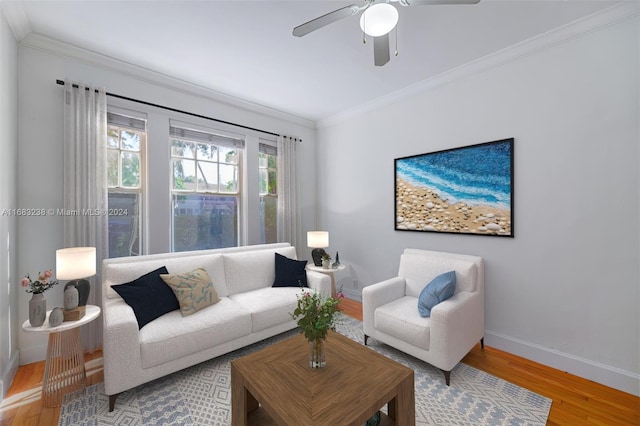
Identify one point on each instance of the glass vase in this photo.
(317, 357)
(37, 309)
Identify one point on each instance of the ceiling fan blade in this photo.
(432, 2)
(336, 15)
(381, 50)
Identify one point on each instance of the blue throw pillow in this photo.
(438, 290)
(290, 272)
(149, 296)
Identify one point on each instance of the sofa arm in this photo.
(319, 282)
(457, 324)
(121, 347)
(379, 294)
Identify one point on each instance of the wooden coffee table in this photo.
(276, 386)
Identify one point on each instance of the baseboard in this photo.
(9, 374)
(33, 354)
(616, 378)
(353, 294)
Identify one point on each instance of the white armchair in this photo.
(390, 309)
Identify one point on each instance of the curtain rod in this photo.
(113, 95)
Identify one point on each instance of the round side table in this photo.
(64, 367)
(328, 271)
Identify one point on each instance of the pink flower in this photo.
(42, 284)
(340, 295)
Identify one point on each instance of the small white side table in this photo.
(330, 272)
(64, 367)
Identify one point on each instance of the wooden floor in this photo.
(576, 401)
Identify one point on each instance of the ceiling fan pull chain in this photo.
(396, 52)
(364, 35)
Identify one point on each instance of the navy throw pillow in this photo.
(438, 290)
(149, 296)
(290, 272)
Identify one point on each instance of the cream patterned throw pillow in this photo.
(193, 290)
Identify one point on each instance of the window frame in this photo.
(135, 120)
(270, 149)
(222, 140)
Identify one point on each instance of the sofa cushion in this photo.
(193, 290)
(173, 336)
(252, 270)
(438, 290)
(290, 272)
(419, 269)
(401, 319)
(148, 296)
(269, 306)
(122, 270)
(212, 263)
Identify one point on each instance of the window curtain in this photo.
(287, 190)
(85, 186)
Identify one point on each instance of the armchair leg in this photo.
(112, 401)
(447, 376)
(365, 339)
(482, 343)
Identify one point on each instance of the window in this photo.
(126, 139)
(205, 191)
(268, 172)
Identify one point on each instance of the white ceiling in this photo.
(245, 48)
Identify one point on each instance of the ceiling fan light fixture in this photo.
(379, 19)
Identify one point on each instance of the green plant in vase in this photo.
(316, 317)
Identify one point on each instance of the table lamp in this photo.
(318, 240)
(75, 264)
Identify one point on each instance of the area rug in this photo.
(201, 395)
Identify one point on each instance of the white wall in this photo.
(43, 61)
(9, 279)
(565, 290)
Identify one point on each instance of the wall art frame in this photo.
(464, 190)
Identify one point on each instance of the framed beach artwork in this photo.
(467, 190)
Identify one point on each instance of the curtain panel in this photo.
(85, 185)
(288, 222)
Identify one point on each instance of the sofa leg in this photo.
(447, 376)
(112, 401)
(365, 339)
(482, 343)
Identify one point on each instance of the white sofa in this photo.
(390, 309)
(249, 310)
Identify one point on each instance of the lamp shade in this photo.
(379, 19)
(318, 239)
(75, 262)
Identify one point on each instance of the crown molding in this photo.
(146, 75)
(610, 16)
(16, 18)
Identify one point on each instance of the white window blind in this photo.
(182, 132)
(120, 120)
(267, 149)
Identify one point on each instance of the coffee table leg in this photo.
(242, 402)
(402, 408)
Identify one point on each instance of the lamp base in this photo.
(83, 290)
(74, 314)
(316, 255)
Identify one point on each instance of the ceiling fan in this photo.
(377, 21)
